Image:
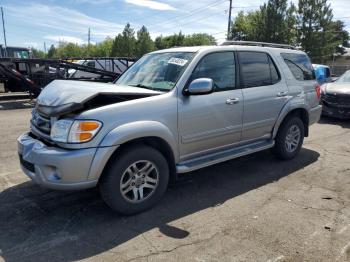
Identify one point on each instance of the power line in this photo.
(198, 19)
(192, 13)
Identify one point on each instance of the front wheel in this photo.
(136, 181)
(289, 138)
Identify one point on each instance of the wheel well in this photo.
(303, 115)
(155, 142)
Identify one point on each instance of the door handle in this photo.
(282, 94)
(232, 101)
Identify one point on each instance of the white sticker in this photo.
(177, 61)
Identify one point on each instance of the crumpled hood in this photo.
(61, 92)
(62, 97)
(337, 88)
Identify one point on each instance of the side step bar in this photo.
(228, 154)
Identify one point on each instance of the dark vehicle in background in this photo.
(336, 97)
(14, 52)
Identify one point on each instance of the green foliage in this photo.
(125, 43)
(144, 43)
(199, 39)
(37, 53)
(52, 51)
(274, 22)
(315, 34)
(309, 25)
(182, 40)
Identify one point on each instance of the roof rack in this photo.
(263, 44)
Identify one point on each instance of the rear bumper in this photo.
(336, 112)
(59, 168)
(315, 114)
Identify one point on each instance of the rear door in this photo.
(264, 94)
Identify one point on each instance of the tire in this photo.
(287, 145)
(128, 174)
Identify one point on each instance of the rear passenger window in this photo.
(257, 69)
(299, 65)
(220, 67)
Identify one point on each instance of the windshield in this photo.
(345, 78)
(159, 71)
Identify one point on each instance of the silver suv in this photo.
(173, 111)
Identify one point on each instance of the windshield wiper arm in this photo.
(143, 86)
(148, 87)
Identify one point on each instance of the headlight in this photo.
(78, 131)
(60, 130)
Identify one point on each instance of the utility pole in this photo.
(3, 28)
(88, 42)
(229, 21)
(45, 47)
(89, 37)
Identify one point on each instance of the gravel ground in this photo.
(254, 208)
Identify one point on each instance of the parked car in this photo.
(323, 73)
(173, 111)
(336, 97)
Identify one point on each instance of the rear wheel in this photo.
(136, 181)
(289, 138)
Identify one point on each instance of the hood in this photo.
(337, 88)
(62, 97)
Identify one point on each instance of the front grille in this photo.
(337, 100)
(27, 165)
(40, 122)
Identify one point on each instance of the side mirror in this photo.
(200, 86)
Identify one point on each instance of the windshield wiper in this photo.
(143, 86)
(148, 87)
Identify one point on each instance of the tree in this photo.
(315, 29)
(52, 52)
(66, 50)
(144, 43)
(159, 43)
(125, 43)
(274, 22)
(199, 39)
(37, 53)
(103, 49)
(182, 40)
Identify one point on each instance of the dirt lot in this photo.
(255, 208)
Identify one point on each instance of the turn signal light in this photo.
(318, 91)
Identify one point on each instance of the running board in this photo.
(218, 157)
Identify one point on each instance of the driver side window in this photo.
(220, 67)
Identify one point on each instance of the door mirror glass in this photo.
(200, 86)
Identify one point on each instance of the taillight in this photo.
(318, 91)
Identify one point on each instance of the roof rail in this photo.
(263, 44)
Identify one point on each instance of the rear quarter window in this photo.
(299, 65)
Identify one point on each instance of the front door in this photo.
(210, 122)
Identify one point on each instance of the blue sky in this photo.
(33, 22)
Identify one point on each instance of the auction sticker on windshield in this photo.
(177, 61)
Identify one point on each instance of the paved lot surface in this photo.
(255, 208)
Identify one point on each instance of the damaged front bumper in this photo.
(59, 168)
(336, 112)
